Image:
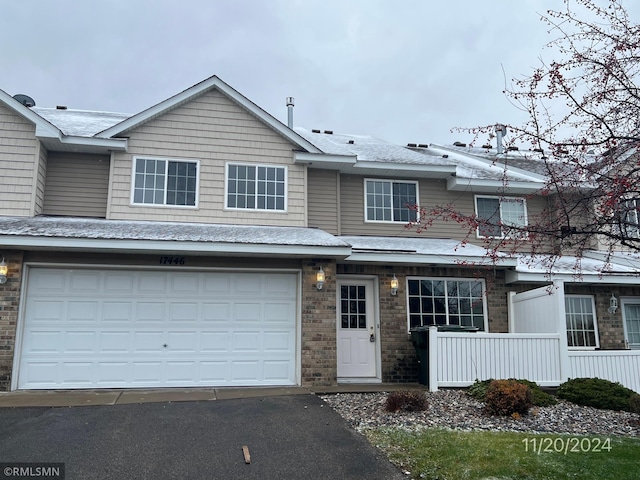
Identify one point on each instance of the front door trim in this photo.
(373, 287)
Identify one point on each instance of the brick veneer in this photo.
(319, 365)
(9, 303)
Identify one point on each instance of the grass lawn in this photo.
(452, 455)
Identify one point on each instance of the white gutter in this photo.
(321, 158)
(492, 186)
(164, 246)
(589, 278)
(429, 259)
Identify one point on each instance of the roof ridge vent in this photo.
(423, 145)
(61, 107)
(351, 142)
(413, 145)
(329, 132)
(315, 130)
(459, 144)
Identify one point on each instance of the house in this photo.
(201, 242)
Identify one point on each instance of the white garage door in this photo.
(87, 328)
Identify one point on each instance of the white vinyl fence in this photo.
(615, 365)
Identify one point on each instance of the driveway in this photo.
(288, 437)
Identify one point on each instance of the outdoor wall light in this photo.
(394, 285)
(320, 279)
(613, 304)
(4, 269)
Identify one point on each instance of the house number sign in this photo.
(171, 260)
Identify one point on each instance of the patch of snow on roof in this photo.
(569, 265)
(80, 123)
(66, 227)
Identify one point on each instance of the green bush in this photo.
(507, 397)
(634, 403)
(596, 392)
(406, 401)
(539, 398)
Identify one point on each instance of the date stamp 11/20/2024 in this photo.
(566, 445)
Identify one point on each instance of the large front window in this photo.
(581, 321)
(436, 301)
(497, 216)
(165, 182)
(390, 201)
(256, 187)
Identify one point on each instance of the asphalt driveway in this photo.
(288, 437)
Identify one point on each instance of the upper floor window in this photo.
(165, 182)
(629, 218)
(256, 187)
(438, 301)
(497, 214)
(391, 201)
(581, 321)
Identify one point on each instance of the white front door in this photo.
(357, 332)
(631, 320)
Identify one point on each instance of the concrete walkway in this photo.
(77, 398)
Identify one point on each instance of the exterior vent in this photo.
(445, 156)
(25, 100)
(540, 150)
(423, 145)
(512, 149)
(413, 145)
(351, 142)
(316, 131)
(487, 146)
(61, 107)
(329, 132)
(459, 144)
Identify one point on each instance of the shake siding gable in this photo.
(18, 164)
(322, 200)
(215, 131)
(77, 185)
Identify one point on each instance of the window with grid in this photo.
(581, 321)
(497, 214)
(165, 182)
(353, 304)
(435, 301)
(256, 187)
(389, 201)
(629, 224)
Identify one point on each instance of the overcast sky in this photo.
(401, 70)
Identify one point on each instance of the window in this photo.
(388, 201)
(165, 182)
(581, 321)
(436, 301)
(256, 187)
(497, 214)
(629, 224)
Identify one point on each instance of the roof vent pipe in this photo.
(290, 112)
(501, 131)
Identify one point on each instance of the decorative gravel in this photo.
(453, 409)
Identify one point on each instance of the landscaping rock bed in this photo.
(453, 409)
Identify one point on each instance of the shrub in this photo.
(539, 398)
(406, 401)
(596, 392)
(634, 403)
(506, 397)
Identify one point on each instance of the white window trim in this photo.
(132, 203)
(391, 222)
(485, 322)
(499, 198)
(256, 165)
(595, 323)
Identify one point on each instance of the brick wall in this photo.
(318, 324)
(9, 302)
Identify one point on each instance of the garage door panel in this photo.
(124, 328)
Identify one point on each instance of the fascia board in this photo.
(198, 89)
(307, 157)
(461, 184)
(416, 258)
(43, 127)
(518, 277)
(445, 170)
(115, 144)
(159, 246)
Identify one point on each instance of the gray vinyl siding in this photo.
(40, 180)
(322, 198)
(77, 185)
(431, 192)
(18, 150)
(212, 130)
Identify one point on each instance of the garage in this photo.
(126, 328)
